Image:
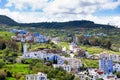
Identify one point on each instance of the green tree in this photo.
(106, 43)
(1, 64)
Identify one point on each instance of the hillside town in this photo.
(107, 63)
(59, 39)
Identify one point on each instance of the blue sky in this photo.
(26, 11)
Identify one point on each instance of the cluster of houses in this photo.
(73, 64)
(24, 36)
(107, 65)
(75, 49)
(70, 64)
(106, 61)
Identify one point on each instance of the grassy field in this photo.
(22, 68)
(90, 49)
(40, 45)
(65, 44)
(9, 78)
(97, 50)
(6, 35)
(90, 63)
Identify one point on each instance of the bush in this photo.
(3, 75)
(18, 75)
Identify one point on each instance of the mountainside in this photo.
(7, 20)
(71, 24)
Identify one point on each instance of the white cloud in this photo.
(25, 4)
(61, 10)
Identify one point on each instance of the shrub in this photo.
(2, 75)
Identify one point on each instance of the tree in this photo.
(95, 42)
(1, 64)
(3, 45)
(106, 43)
(80, 38)
(22, 47)
(12, 45)
(9, 74)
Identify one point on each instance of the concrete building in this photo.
(74, 63)
(106, 64)
(63, 66)
(114, 57)
(116, 67)
(39, 76)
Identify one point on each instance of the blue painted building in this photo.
(106, 64)
(36, 34)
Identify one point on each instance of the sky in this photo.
(27, 11)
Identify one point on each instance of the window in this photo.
(42, 78)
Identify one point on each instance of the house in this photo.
(72, 46)
(39, 76)
(116, 67)
(63, 66)
(75, 39)
(74, 63)
(55, 40)
(45, 54)
(66, 67)
(94, 56)
(95, 73)
(42, 54)
(86, 54)
(110, 78)
(81, 76)
(64, 49)
(100, 34)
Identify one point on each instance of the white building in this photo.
(39, 76)
(114, 57)
(24, 49)
(64, 66)
(81, 76)
(64, 49)
(110, 78)
(116, 67)
(74, 63)
(72, 46)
